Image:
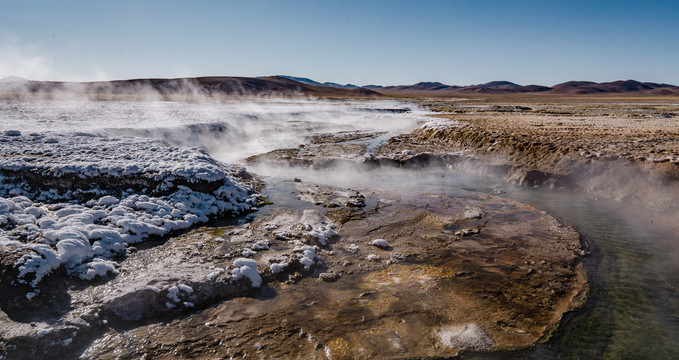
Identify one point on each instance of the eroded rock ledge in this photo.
(73, 206)
(625, 152)
(434, 290)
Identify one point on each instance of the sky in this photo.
(384, 42)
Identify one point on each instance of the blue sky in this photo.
(362, 42)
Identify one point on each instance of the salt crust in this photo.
(465, 337)
(246, 268)
(82, 229)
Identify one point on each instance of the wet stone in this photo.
(330, 276)
(467, 232)
(380, 243)
(470, 294)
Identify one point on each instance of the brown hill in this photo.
(218, 85)
(615, 87)
(503, 87)
(423, 86)
(439, 89)
(419, 89)
(628, 87)
(572, 87)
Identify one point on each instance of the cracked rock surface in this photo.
(504, 287)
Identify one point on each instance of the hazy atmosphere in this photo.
(359, 42)
(339, 180)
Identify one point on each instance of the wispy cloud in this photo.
(32, 61)
(23, 60)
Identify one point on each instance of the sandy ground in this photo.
(541, 135)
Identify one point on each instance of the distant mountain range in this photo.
(290, 85)
(10, 79)
(316, 83)
(215, 85)
(506, 87)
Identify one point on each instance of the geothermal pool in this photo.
(633, 306)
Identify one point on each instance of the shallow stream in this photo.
(633, 305)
